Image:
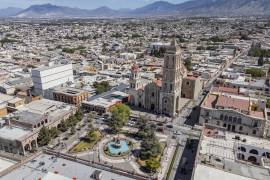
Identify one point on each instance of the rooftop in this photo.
(69, 91)
(51, 167)
(241, 104)
(13, 133)
(223, 145)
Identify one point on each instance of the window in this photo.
(255, 124)
(206, 121)
(187, 83)
(224, 125)
(206, 113)
(221, 117)
(254, 132)
(242, 149)
(153, 94)
(218, 123)
(241, 128)
(230, 118)
(239, 120)
(226, 117)
(234, 119)
(253, 151)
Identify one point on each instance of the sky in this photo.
(85, 4)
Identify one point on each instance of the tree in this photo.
(152, 165)
(120, 116)
(150, 148)
(260, 61)
(54, 132)
(144, 130)
(255, 72)
(72, 130)
(90, 117)
(63, 126)
(101, 87)
(268, 103)
(44, 136)
(188, 64)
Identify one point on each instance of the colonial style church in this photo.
(160, 96)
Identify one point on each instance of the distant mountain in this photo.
(225, 7)
(51, 11)
(159, 8)
(10, 11)
(156, 8)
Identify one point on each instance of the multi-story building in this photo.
(70, 95)
(104, 104)
(19, 130)
(234, 112)
(158, 96)
(228, 155)
(191, 87)
(50, 76)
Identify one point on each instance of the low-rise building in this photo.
(191, 87)
(226, 155)
(104, 104)
(19, 130)
(70, 95)
(236, 113)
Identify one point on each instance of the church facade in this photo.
(160, 96)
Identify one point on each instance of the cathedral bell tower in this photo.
(134, 77)
(173, 72)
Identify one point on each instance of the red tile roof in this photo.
(229, 102)
(225, 89)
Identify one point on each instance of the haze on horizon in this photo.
(85, 4)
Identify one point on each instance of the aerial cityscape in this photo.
(135, 90)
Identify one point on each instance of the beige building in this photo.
(235, 113)
(227, 155)
(162, 97)
(19, 130)
(191, 87)
(70, 95)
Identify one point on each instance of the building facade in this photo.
(51, 76)
(160, 96)
(70, 95)
(235, 113)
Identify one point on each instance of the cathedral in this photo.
(160, 96)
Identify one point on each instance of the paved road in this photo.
(186, 120)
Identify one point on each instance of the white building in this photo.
(51, 76)
(225, 155)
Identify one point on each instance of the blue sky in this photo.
(86, 4)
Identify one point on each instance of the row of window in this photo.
(231, 119)
(254, 151)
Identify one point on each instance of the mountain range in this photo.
(159, 8)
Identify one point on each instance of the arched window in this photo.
(253, 151)
(252, 159)
(239, 120)
(221, 117)
(243, 149)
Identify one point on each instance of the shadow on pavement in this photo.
(186, 164)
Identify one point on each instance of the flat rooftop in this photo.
(44, 105)
(46, 166)
(203, 172)
(69, 91)
(13, 133)
(5, 163)
(224, 146)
